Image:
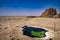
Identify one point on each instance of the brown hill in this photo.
(49, 12)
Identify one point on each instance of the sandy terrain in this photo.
(11, 27)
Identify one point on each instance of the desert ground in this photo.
(11, 27)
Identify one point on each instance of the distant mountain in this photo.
(50, 12)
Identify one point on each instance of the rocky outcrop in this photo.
(56, 16)
(59, 15)
(49, 13)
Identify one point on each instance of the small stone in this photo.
(0, 25)
(12, 38)
(5, 28)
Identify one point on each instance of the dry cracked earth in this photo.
(11, 27)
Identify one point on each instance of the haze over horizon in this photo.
(27, 7)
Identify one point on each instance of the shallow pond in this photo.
(26, 30)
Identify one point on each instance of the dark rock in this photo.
(0, 25)
(5, 28)
(59, 15)
(56, 16)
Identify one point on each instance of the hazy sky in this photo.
(26, 7)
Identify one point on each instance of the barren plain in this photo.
(11, 27)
